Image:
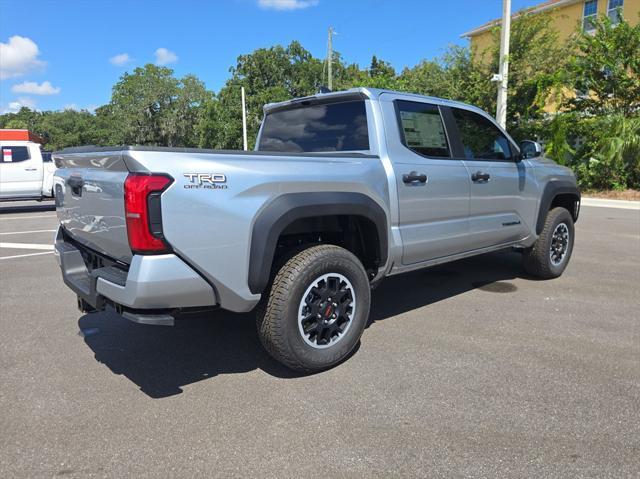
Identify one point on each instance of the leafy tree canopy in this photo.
(152, 107)
(605, 71)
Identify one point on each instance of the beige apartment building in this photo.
(566, 17)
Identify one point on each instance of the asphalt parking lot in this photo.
(467, 370)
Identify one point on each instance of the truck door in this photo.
(503, 189)
(433, 187)
(20, 171)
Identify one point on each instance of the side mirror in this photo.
(530, 149)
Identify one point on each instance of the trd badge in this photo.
(209, 181)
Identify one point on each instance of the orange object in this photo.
(20, 135)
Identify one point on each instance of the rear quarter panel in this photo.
(211, 228)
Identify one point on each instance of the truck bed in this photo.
(208, 227)
(96, 218)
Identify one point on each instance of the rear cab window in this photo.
(14, 154)
(422, 129)
(327, 127)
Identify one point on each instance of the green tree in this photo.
(67, 128)
(181, 120)
(535, 57)
(25, 117)
(16, 124)
(427, 78)
(380, 68)
(603, 70)
(467, 78)
(620, 145)
(606, 69)
(557, 146)
(268, 75)
(380, 75)
(151, 106)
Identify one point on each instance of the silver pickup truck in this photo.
(343, 189)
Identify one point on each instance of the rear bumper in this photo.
(158, 283)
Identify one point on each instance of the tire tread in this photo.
(276, 297)
(536, 259)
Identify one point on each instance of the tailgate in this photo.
(89, 193)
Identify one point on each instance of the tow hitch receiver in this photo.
(85, 307)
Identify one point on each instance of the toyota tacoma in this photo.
(342, 190)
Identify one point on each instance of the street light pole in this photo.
(244, 121)
(501, 110)
(330, 59)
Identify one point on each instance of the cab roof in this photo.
(364, 93)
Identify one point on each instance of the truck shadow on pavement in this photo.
(161, 360)
(491, 273)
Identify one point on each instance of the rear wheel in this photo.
(315, 309)
(549, 256)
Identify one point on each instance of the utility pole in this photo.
(503, 74)
(330, 59)
(244, 121)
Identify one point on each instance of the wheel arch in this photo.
(558, 193)
(288, 208)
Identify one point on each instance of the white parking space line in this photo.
(25, 232)
(26, 246)
(24, 255)
(2, 218)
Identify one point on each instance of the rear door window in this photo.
(422, 129)
(317, 128)
(481, 139)
(14, 154)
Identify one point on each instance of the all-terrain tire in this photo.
(291, 291)
(539, 260)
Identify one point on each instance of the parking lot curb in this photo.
(604, 203)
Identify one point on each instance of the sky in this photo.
(69, 53)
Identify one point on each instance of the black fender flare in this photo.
(551, 190)
(272, 220)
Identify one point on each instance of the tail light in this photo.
(142, 210)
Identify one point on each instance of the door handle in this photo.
(480, 177)
(414, 178)
(30, 169)
(75, 183)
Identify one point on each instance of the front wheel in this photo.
(316, 309)
(549, 256)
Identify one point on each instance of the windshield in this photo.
(316, 128)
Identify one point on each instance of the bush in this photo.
(618, 146)
(603, 151)
(607, 152)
